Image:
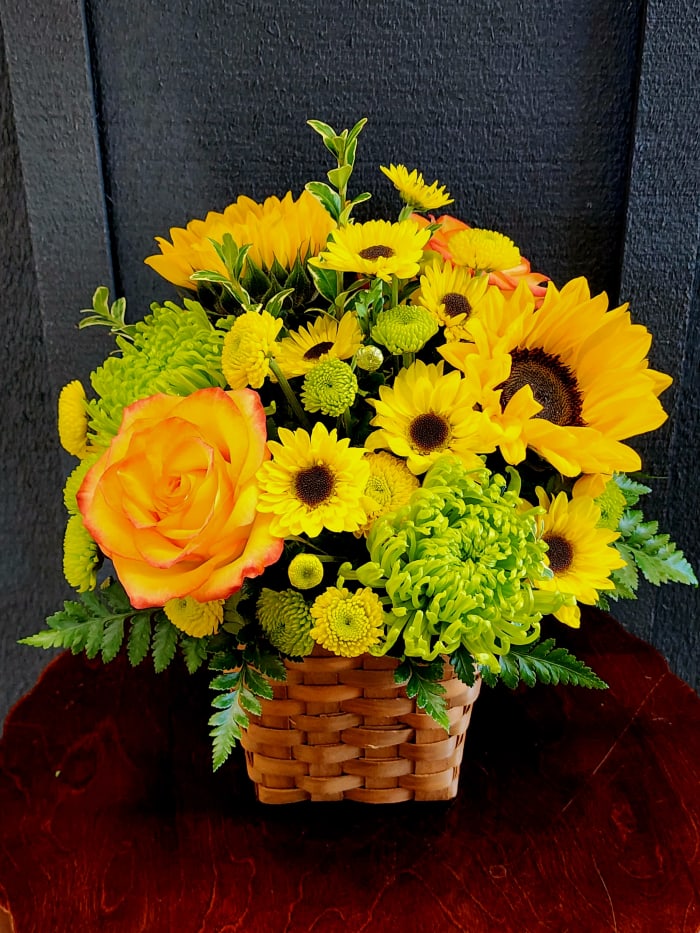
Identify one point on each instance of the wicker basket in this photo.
(341, 729)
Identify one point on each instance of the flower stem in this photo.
(290, 396)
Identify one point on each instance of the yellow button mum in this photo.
(73, 419)
(347, 623)
(195, 618)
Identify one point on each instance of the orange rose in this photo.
(507, 279)
(173, 501)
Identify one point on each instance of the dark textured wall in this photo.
(569, 127)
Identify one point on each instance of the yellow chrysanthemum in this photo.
(74, 482)
(377, 248)
(277, 229)
(427, 413)
(484, 250)
(80, 556)
(414, 190)
(195, 618)
(314, 482)
(570, 380)
(73, 419)
(453, 295)
(248, 346)
(348, 624)
(580, 553)
(391, 484)
(322, 339)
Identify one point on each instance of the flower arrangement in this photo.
(383, 437)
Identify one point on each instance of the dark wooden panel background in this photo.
(571, 126)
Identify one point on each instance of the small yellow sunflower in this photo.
(570, 380)
(484, 250)
(377, 248)
(322, 339)
(248, 346)
(452, 295)
(414, 190)
(314, 482)
(73, 419)
(195, 618)
(580, 552)
(391, 484)
(348, 624)
(427, 413)
(277, 229)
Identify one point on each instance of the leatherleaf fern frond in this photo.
(542, 662)
(244, 680)
(99, 622)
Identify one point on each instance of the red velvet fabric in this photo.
(578, 811)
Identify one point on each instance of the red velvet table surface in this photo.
(578, 811)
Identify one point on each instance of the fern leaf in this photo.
(164, 644)
(139, 639)
(194, 651)
(112, 638)
(549, 665)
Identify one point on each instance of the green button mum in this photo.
(458, 563)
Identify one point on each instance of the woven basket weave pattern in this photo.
(342, 729)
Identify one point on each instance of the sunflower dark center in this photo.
(455, 304)
(553, 385)
(376, 252)
(429, 432)
(560, 553)
(318, 349)
(314, 485)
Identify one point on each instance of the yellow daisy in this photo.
(348, 624)
(314, 482)
(322, 339)
(277, 229)
(73, 419)
(414, 190)
(391, 484)
(427, 413)
(452, 295)
(484, 250)
(580, 552)
(195, 618)
(571, 380)
(248, 346)
(377, 248)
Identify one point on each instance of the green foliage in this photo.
(244, 681)
(545, 663)
(105, 315)
(463, 664)
(654, 554)
(422, 682)
(344, 147)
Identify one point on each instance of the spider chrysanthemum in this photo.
(314, 481)
(414, 190)
(376, 248)
(570, 380)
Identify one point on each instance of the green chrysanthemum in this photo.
(330, 387)
(75, 481)
(286, 620)
(458, 563)
(80, 556)
(612, 504)
(174, 351)
(305, 571)
(404, 329)
(369, 358)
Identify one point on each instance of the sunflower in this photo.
(322, 339)
(314, 482)
(427, 413)
(414, 190)
(452, 295)
(377, 248)
(281, 230)
(581, 554)
(571, 380)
